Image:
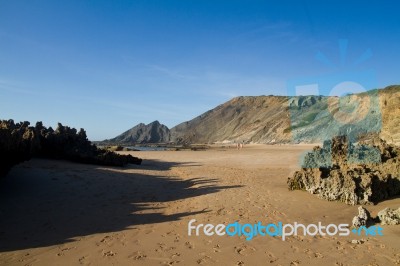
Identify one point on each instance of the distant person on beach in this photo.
(239, 145)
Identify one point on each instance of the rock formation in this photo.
(365, 173)
(362, 219)
(20, 142)
(17, 144)
(389, 216)
(386, 216)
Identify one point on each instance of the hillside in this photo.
(141, 133)
(281, 119)
(270, 119)
(257, 119)
(390, 103)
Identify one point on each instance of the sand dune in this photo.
(62, 213)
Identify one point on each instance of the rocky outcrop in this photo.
(365, 173)
(141, 133)
(389, 216)
(20, 142)
(362, 219)
(386, 216)
(17, 144)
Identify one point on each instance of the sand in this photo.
(63, 213)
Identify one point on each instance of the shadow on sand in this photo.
(159, 165)
(46, 202)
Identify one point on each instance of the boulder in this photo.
(362, 219)
(389, 216)
(362, 173)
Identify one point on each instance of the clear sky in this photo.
(108, 65)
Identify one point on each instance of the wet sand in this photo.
(63, 213)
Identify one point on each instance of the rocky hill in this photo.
(141, 133)
(273, 119)
(281, 119)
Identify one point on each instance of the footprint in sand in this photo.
(271, 257)
(83, 260)
(217, 248)
(63, 250)
(221, 211)
(175, 255)
(138, 255)
(189, 245)
(109, 253)
(205, 260)
(308, 252)
(295, 249)
(106, 239)
(339, 245)
(161, 247)
(318, 255)
(244, 250)
(170, 262)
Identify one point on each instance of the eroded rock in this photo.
(389, 216)
(362, 219)
(20, 141)
(365, 173)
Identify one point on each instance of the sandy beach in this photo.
(62, 213)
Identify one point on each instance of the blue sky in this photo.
(108, 65)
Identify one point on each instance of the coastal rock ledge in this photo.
(363, 173)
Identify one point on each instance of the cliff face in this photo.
(390, 106)
(141, 133)
(270, 119)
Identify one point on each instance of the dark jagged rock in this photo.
(19, 142)
(365, 173)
